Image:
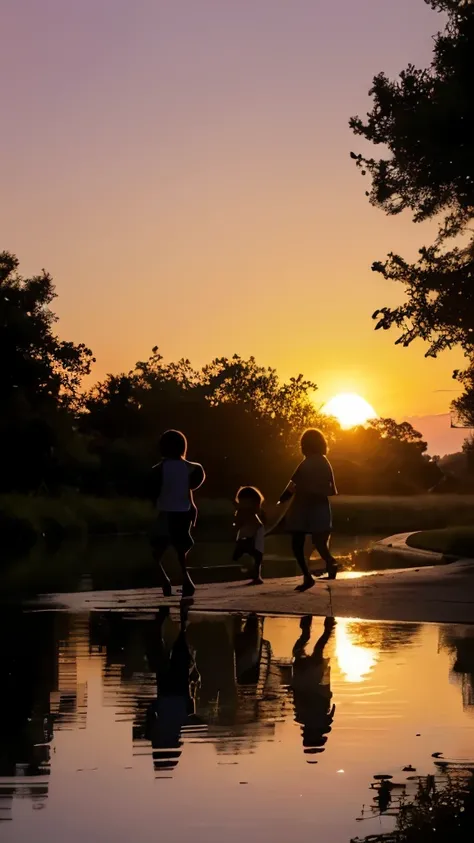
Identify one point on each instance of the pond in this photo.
(128, 563)
(121, 727)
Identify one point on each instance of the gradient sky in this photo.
(182, 169)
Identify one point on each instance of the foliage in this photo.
(437, 813)
(37, 367)
(386, 457)
(241, 420)
(40, 378)
(425, 120)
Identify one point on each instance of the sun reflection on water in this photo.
(355, 661)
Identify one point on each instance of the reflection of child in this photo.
(174, 709)
(311, 686)
(250, 522)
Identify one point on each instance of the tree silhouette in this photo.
(241, 420)
(425, 119)
(35, 363)
(40, 377)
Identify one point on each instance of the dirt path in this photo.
(441, 594)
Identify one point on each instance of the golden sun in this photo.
(349, 409)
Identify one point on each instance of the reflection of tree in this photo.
(28, 675)
(387, 637)
(459, 640)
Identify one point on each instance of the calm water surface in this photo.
(128, 563)
(119, 728)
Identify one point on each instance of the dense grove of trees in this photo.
(241, 421)
(424, 120)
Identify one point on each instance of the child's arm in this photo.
(287, 493)
(238, 519)
(332, 482)
(196, 477)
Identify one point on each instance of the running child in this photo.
(309, 513)
(250, 522)
(174, 479)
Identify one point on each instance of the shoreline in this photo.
(441, 594)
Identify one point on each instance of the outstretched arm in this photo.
(287, 493)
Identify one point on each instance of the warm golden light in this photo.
(355, 661)
(349, 409)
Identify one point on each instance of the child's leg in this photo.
(159, 547)
(180, 533)
(257, 557)
(297, 543)
(321, 543)
(239, 550)
(188, 586)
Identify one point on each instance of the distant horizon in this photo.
(437, 432)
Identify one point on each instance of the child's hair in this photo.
(173, 445)
(313, 442)
(251, 494)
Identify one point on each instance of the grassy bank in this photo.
(367, 514)
(27, 519)
(452, 541)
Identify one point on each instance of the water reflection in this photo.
(40, 692)
(359, 644)
(355, 660)
(180, 695)
(173, 712)
(311, 686)
(459, 641)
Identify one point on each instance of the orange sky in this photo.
(183, 171)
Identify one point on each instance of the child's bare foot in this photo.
(256, 581)
(332, 572)
(188, 589)
(163, 613)
(307, 583)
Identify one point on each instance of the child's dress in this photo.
(309, 511)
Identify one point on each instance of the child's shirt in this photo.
(174, 482)
(248, 522)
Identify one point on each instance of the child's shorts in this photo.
(173, 528)
(251, 545)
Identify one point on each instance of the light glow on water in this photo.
(355, 661)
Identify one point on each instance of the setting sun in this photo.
(349, 409)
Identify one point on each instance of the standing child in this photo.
(174, 480)
(250, 523)
(309, 512)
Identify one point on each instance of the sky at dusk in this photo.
(182, 169)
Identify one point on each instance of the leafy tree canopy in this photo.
(424, 121)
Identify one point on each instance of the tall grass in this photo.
(386, 514)
(25, 519)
